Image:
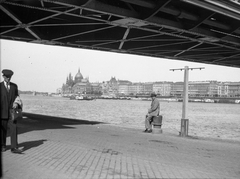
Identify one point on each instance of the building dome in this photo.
(78, 77)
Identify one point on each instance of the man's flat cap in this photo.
(7, 73)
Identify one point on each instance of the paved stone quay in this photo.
(60, 148)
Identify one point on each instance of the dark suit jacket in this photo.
(7, 98)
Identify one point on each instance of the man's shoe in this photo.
(4, 149)
(16, 150)
(149, 131)
(145, 130)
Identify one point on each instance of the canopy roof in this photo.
(204, 31)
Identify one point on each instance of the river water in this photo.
(212, 120)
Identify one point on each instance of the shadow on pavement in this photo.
(31, 122)
(28, 145)
(31, 144)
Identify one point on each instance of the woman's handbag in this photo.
(15, 114)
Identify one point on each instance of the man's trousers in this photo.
(148, 122)
(12, 131)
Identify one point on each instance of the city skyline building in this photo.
(117, 87)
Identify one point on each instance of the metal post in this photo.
(185, 120)
(185, 94)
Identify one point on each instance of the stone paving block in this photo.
(88, 151)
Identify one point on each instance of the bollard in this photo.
(157, 124)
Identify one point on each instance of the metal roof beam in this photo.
(82, 33)
(153, 46)
(155, 10)
(221, 59)
(188, 49)
(214, 8)
(127, 39)
(206, 54)
(20, 24)
(124, 37)
(178, 13)
(101, 7)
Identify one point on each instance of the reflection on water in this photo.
(213, 120)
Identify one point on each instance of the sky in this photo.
(44, 68)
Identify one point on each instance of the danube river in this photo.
(212, 120)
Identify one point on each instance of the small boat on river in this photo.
(84, 97)
(81, 97)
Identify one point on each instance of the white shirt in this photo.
(7, 85)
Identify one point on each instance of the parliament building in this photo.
(80, 85)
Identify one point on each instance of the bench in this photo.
(157, 124)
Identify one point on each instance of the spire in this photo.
(67, 80)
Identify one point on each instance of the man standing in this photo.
(9, 92)
(153, 111)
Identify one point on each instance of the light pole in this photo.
(185, 120)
